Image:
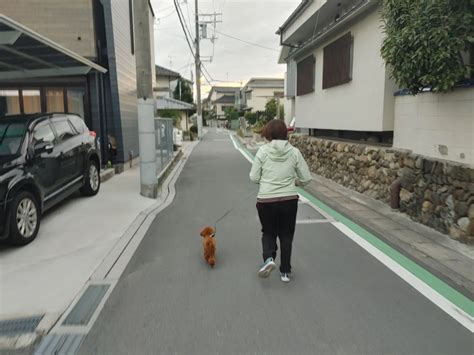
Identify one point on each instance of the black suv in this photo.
(43, 159)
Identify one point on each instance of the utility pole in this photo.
(146, 114)
(198, 75)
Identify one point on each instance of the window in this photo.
(337, 62)
(43, 133)
(11, 135)
(305, 76)
(31, 101)
(64, 130)
(54, 100)
(77, 123)
(9, 102)
(75, 101)
(132, 34)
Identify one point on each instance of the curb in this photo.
(114, 263)
(106, 174)
(142, 222)
(452, 295)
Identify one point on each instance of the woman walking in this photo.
(277, 167)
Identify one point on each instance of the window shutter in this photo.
(305, 76)
(337, 62)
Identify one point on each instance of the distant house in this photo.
(165, 81)
(337, 85)
(258, 91)
(220, 98)
(184, 110)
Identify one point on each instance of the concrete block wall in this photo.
(437, 125)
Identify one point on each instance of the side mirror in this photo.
(43, 147)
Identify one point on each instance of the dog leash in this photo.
(252, 193)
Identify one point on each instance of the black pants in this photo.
(278, 219)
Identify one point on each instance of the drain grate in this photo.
(60, 344)
(19, 326)
(86, 306)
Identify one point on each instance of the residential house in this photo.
(222, 97)
(182, 108)
(74, 56)
(165, 82)
(258, 91)
(337, 85)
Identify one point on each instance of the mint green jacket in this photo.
(276, 167)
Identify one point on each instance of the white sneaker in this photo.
(267, 267)
(285, 277)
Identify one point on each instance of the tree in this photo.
(424, 40)
(270, 110)
(231, 113)
(186, 91)
(173, 114)
(251, 117)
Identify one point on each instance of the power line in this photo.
(247, 42)
(183, 26)
(189, 17)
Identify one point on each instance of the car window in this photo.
(64, 130)
(78, 123)
(43, 133)
(11, 136)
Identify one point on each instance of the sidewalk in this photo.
(444, 257)
(39, 281)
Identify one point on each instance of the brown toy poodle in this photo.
(209, 245)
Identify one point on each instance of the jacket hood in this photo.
(278, 150)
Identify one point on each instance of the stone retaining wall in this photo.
(438, 194)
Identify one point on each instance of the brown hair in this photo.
(275, 129)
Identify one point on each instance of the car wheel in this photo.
(92, 184)
(24, 218)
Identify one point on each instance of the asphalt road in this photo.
(341, 299)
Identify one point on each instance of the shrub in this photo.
(251, 117)
(424, 40)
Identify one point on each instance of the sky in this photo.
(234, 62)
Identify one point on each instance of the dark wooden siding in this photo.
(337, 62)
(305, 76)
(123, 78)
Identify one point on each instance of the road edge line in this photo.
(459, 303)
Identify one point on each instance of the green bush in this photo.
(194, 129)
(251, 117)
(424, 40)
(173, 114)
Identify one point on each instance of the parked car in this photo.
(44, 158)
(291, 125)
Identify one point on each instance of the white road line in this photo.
(447, 306)
(455, 312)
(240, 149)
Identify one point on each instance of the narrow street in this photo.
(341, 299)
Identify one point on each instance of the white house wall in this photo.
(302, 18)
(260, 97)
(437, 125)
(359, 104)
